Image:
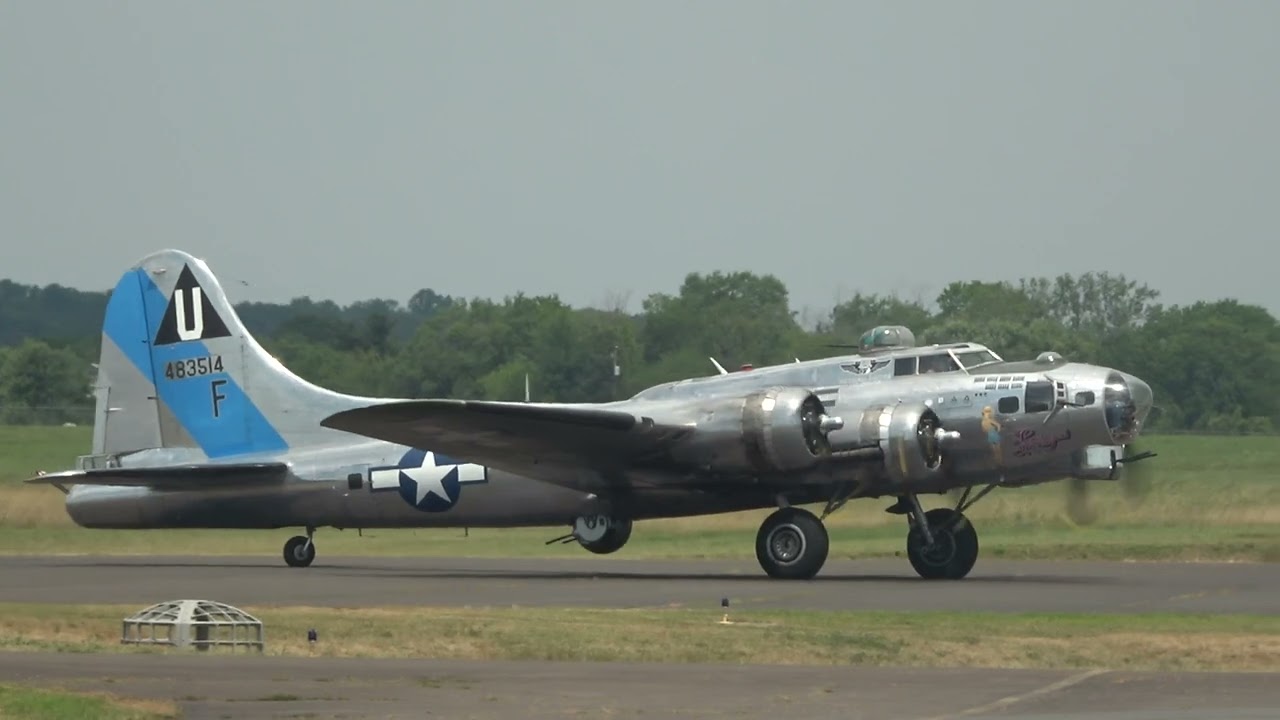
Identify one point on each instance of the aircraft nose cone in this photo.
(1127, 400)
(1143, 398)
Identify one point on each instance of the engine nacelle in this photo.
(778, 429)
(910, 437)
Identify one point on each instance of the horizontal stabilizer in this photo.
(173, 477)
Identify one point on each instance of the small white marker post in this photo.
(724, 603)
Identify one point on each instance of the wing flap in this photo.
(172, 477)
(570, 445)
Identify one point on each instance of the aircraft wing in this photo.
(581, 447)
(173, 477)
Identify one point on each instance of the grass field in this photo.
(32, 704)
(1211, 498)
(1132, 642)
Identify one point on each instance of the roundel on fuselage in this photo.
(427, 481)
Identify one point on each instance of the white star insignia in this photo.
(428, 478)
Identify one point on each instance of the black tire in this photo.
(615, 537)
(297, 553)
(955, 548)
(792, 544)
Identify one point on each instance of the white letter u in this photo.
(197, 305)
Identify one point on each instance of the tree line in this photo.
(1214, 365)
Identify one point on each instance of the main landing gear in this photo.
(299, 551)
(600, 534)
(792, 544)
(941, 544)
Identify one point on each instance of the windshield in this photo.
(974, 358)
(940, 363)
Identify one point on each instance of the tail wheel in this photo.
(792, 544)
(299, 551)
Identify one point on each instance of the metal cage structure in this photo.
(198, 624)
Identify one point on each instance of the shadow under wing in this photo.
(173, 477)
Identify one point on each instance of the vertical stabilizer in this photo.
(179, 370)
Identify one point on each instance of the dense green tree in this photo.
(989, 301)
(736, 317)
(1210, 364)
(41, 382)
(1098, 304)
(860, 313)
(53, 312)
(427, 302)
(1215, 366)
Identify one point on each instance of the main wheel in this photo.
(609, 535)
(792, 544)
(298, 552)
(954, 549)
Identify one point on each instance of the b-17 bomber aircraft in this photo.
(197, 426)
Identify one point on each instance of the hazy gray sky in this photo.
(367, 149)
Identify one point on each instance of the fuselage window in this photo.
(1008, 405)
(1039, 396)
(1085, 397)
(904, 366)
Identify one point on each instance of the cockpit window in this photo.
(974, 358)
(937, 363)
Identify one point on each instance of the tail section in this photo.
(179, 370)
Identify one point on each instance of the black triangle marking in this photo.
(193, 297)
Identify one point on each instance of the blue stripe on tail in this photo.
(205, 399)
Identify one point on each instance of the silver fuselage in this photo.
(1032, 445)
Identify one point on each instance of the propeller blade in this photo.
(1136, 478)
(1079, 507)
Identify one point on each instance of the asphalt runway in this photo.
(220, 686)
(250, 686)
(890, 584)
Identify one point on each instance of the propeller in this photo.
(1079, 509)
(928, 438)
(816, 424)
(1134, 477)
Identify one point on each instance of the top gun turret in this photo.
(887, 336)
(881, 338)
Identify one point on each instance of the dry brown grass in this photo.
(1117, 650)
(141, 706)
(1164, 642)
(33, 506)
